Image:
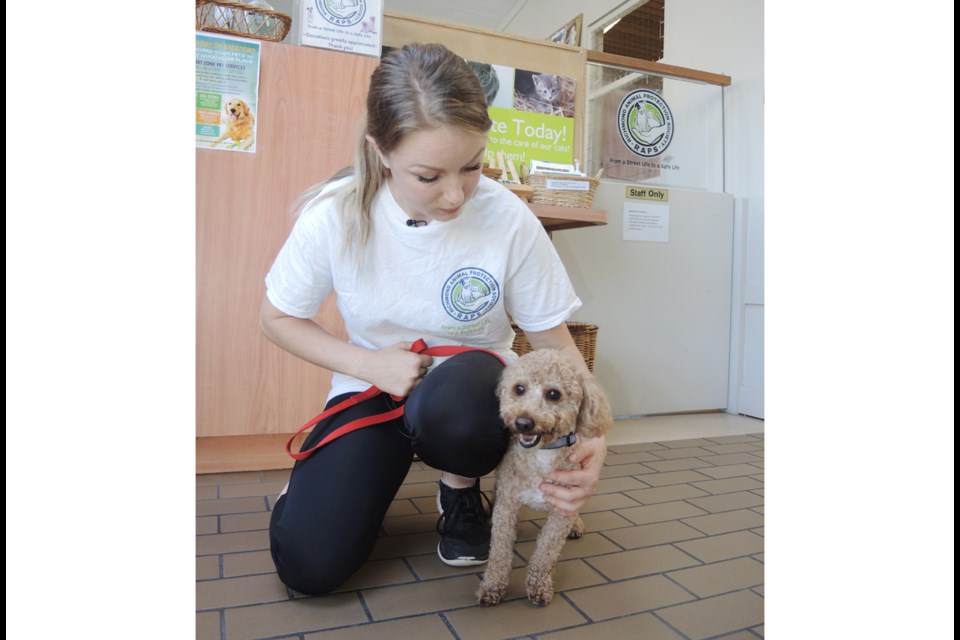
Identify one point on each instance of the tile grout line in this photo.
(449, 625)
(603, 534)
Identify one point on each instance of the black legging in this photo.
(323, 528)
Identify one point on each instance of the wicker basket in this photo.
(545, 189)
(238, 19)
(584, 336)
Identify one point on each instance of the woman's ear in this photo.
(376, 147)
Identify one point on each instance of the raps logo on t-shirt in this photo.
(470, 293)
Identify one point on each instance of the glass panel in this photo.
(649, 128)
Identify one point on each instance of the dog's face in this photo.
(239, 118)
(236, 108)
(544, 397)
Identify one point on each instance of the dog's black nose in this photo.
(524, 425)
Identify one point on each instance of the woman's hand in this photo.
(572, 488)
(397, 370)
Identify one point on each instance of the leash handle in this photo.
(419, 346)
(346, 404)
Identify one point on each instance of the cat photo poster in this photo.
(532, 113)
(544, 93)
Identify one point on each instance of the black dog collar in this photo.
(565, 441)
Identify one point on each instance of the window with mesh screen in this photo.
(639, 34)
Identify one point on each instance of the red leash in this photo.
(418, 347)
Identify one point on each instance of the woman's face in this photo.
(434, 172)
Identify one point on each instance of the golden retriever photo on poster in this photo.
(239, 124)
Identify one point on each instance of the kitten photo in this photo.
(547, 87)
(544, 93)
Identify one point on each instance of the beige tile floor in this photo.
(674, 549)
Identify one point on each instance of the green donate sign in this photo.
(524, 136)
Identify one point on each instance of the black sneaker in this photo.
(464, 526)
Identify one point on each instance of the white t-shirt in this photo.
(450, 283)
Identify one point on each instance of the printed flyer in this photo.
(228, 81)
(532, 113)
(342, 25)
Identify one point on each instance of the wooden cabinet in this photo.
(250, 393)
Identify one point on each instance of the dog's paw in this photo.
(488, 597)
(540, 597)
(539, 589)
(576, 530)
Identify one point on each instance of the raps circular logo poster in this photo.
(645, 123)
(343, 13)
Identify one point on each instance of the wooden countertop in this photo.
(556, 218)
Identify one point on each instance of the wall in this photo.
(720, 36)
(662, 344)
(729, 35)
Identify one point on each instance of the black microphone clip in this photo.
(416, 223)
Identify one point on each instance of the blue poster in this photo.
(228, 80)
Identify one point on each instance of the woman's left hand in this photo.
(574, 487)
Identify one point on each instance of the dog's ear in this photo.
(501, 389)
(246, 109)
(595, 416)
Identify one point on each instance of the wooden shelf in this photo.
(666, 70)
(556, 218)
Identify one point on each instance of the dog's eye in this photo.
(554, 395)
(519, 389)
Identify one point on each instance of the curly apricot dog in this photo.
(547, 403)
